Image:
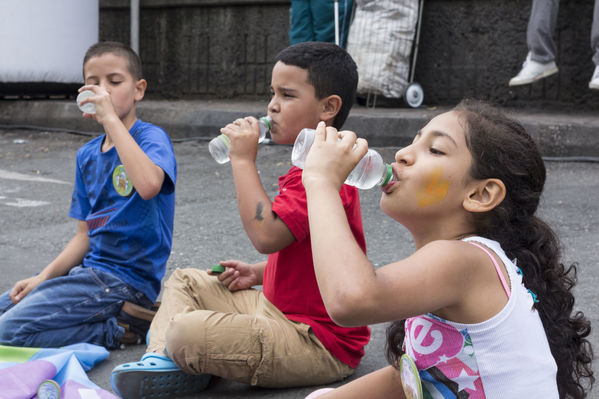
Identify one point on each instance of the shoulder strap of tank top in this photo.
(497, 268)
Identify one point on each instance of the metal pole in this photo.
(337, 22)
(417, 41)
(135, 25)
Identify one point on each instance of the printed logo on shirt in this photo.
(99, 219)
(445, 359)
(121, 181)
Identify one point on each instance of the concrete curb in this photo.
(557, 134)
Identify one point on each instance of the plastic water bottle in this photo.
(219, 146)
(89, 108)
(369, 172)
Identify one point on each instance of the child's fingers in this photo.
(348, 137)
(320, 133)
(332, 134)
(250, 120)
(361, 146)
(87, 87)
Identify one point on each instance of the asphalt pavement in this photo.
(37, 171)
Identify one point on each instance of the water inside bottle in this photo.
(302, 145)
(219, 146)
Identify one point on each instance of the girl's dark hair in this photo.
(331, 70)
(502, 149)
(119, 49)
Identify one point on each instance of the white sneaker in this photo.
(594, 83)
(532, 71)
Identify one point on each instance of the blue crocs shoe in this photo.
(155, 376)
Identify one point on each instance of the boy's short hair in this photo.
(331, 70)
(117, 48)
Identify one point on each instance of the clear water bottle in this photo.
(369, 172)
(219, 146)
(89, 108)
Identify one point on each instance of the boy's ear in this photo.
(330, 107)
(140, 89)
(484, 195)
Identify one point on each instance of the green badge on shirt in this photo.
(121, 182)
(410, 378)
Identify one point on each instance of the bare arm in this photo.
(71, 256)
(145, 175)
(380, 384)
(353, 292)
(265, 229)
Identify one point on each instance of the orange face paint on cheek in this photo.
(435, 190)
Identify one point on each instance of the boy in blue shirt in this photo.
(124, 200)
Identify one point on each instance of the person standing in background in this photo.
(540, 61)
(314, 21)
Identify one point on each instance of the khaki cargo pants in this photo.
(240, 336)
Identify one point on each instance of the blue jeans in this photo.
(79, 307)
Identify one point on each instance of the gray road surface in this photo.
(36, 174)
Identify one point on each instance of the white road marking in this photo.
(5, 174)
(25, 203)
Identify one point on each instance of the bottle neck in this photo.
(387, 176)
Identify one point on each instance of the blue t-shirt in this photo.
(129, 237)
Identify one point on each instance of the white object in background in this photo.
(45, 41)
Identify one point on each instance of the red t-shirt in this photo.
(289, 279)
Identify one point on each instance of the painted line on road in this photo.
(25, 203)
(5, 174)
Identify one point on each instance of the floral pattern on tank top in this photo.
(444, 357)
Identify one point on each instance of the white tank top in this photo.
(507, 356)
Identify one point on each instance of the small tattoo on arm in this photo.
(259, 207)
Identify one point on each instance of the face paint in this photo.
(435, 190)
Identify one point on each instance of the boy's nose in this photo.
(273, 105)
(105, 86)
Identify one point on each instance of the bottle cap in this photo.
(89, 108)
(388, 177)
(48, 389)
(267, 119)
(217, 269)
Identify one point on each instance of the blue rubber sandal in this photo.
(155, 376)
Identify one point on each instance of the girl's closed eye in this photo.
(435, 151)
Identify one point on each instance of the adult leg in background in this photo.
(540, 31)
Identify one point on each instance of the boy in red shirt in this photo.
(281, 336)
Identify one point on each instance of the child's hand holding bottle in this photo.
(96, 103)
(332, 157)
(243, 135)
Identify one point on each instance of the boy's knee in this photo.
(9, 332)
(192, 279)
(199, 343)
(184, 344)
